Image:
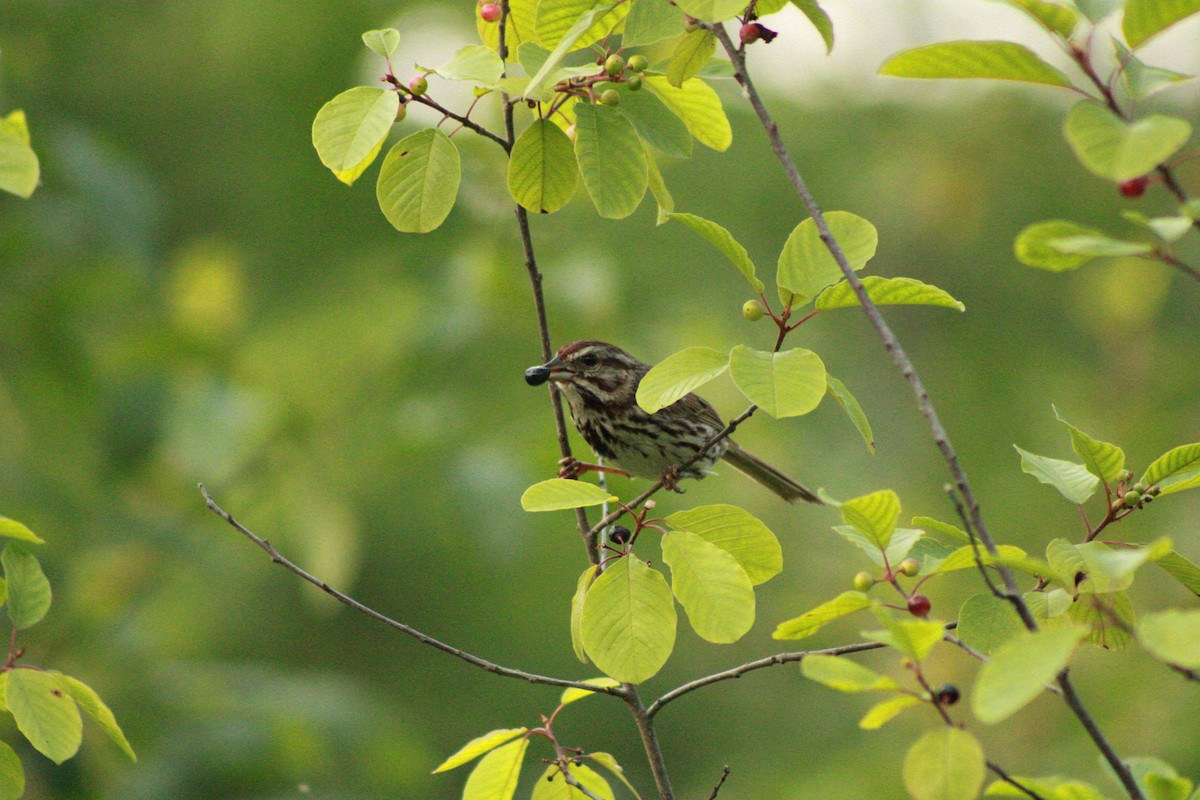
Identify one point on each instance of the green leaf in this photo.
(849, 403)
(698, 106)
(1096, 10)
(1179, 484)
(581, 588)
(1181, 570)
(912, 637)
(1049, 608)
(712, 10)
(1020, 669)
(1038, 245)
(885, 711)
(819, 19)
(1176, 461)
(478, 746)
(944, 764)
(985, 622)
(352, 125)
(557, 18)
(739, 533)
(678, 375)
(887, 292)
(1118, 150)
(1112, 570)
(45, 713)
(810, 622)
(1073, 481)
(1109, 617)
(541, 170)
(87, 699)
(691, 54)
(953, 531)
(654, 122)
(553, 786)
(418, 182)
(1141, 79)
(521, 17)
(658, 188)
(1146, 18)
(651, 21)
(723, 240)
(476, 63)
(1170, 229)
(609, 763)
(1053, 17)
(711, 586)
(806, 266)
(1099, 246)
(11, 529)
(382, 42)
(557, 494)
(1105, 461)
(12, 775)
(611, 159)
(998, 60)
(965, 558)
(898, 547)
(844, 675)
(874, 514)
(629, 621)
(1172, 636)
(581, 27)
(28, 590)
(349, 176)
(19, 167)
(573, 694)
(495, 776)
(1052, 788)
(786, 384)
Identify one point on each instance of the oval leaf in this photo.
(998, 60)
(45, 713)
(885, 711)
(611, 159)
(552, 785)
(87, 699)
(555, 19)
(1020, 669)
(691, 54)
(806, 266)
(887, 292)
(557, 494)
(654, 122)
(849, 403)
(1118, 150)
(475, 63)
(737, 532)
(28, 590)
(573, 694)
(711, 586)
(844, 675)
(678, 375)
(651, 21)
(495, 776)
(585, 581)
(945, 764)
(19, 167)
(1180, 460)
(541, 170)
(985, 622)
(351, 125)
(418, 182)
(1038, 245)
(1105, 461)
(698, 106)
(382, 42)
(874, 514)
(1172, 636)
(809, 623)
(1145, 18)
(478, 746)
(785, 384)
(11, 529)
(723, 240)
(629, 621)
(1073, 481)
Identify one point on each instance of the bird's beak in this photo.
(536, 376)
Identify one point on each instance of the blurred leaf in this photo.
(1185, 458)
(19, 167)
(737, 532)
(985, 622)
(849, 403)
(1172, 636)
(1115, 565)
(11, 529)
(651, 21)
(581, 588)
(1037, 245)
(901, 542)
(558, 494)
(819, 19)
(12, 774)
(382, 42)
(953, 531)
(806, 266)
(1110, 616)
(573, 694)
(1181, 570)
(352, 125)
(998, 60)
(914, 638)
(964, 558)
(495, 776)
(693, 52)
(1052, 16)
(1145, 18)
(1179, 484)
(786, 384)
(711, 586)
(45, 713)
(478, 746)
(87, 699)
(567, 41)
(541, 169)
(698, 106)
(1104, 460)
(678, 375)
(609, 763)
(885, 711)
(874, 514)
(723, 240)
(1142, 79)
(1096, 10)
(810, 622)
(1152, 775)
(1052, 788)
(28, 589)
(712, 10)
(1099, 246)
(475, 63)
(611, 159)
(553, 786)
(658, 188)
(1049, 608)
(654, 122)
(885, 292)
(1073, 481)
(1020, 669)
(418, 182)
(1113, 148)
(556, 19)
(944, 764)
(629, 621)
(844, 675)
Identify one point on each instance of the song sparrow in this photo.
(600, 382)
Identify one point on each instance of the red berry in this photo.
(490, 12)
(919, 605)
(1135, 187)
(750, 33)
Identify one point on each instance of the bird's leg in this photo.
(571, 468)
(670, 480)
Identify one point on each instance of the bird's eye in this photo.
(589, 360)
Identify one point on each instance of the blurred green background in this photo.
(191, 297)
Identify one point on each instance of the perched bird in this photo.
(600, 382)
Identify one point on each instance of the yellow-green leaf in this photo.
(1105, 461)
(693, 52)
(418, 182)
(495, 776)
(989, 59)
(87, 699)
(739, 533)
(1073, 481)
(723, 240)
(585, 581)
(698, 106)
(1176, 461)
(352, 125)
(810, 622)
(542, 173)
(711, 586)
(557, 494)
(573, 694)
(678, 375)
(20, 170)
(945, 764)
(786, 384)
(849, 403)
(887, 291)
(609, 763)
(1020, 669)
(611, 159)
(28, 590)
(478, 746)
(985, 622)
(11, 529)
(45, 713)
(806, 266)
(844, 675)
(874, 514)
(476, 63)
(556, 17)
(629, 621)
(885, 711)
(1119, 150)
(382, 42)
(1146, 18)
(1172, 636)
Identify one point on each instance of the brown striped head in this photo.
(602, 370)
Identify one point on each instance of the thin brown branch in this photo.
(464, 120)
(717, 789)
(470, 658)
(1171, 260)
(1011, 781)
(654, 755)
(572, 781)
(1089, 724)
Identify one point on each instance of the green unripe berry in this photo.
(1132, 498)
(863, 581)
(634, 82)
(610, 97)
(1140, 487)
(615, 65)
(400, 112)
(418, 86)
(910, 567)
(752, 310)
(638, 63)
